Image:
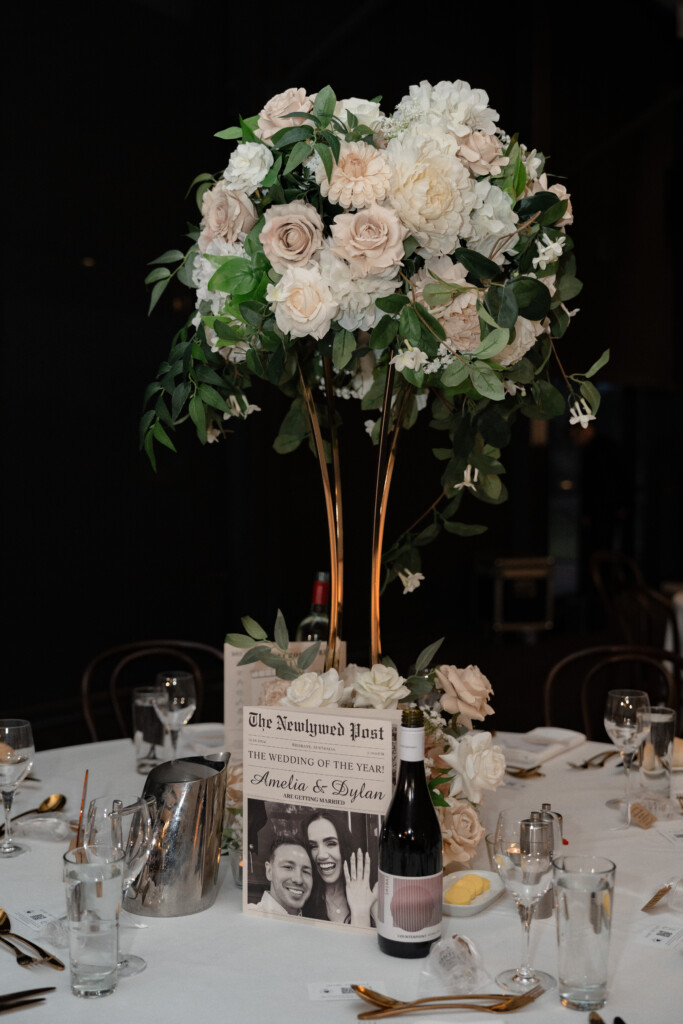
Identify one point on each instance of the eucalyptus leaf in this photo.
(299, 152)
(456, 373)
(158, 274)
(477, 265)
(170, 256)
(591, 394)
(280, 632)
(384, 333)
(487, 382)
(308, 656)
(419, 686)
(392, 303)
(259, 653)
(239, 640)
(343, 347)
(253, 629)
(598, 364)
(464, 529)
(425, 657)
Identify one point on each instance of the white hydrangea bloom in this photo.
(356, 297)
(248, 166)
(493, 219)
(453, 106)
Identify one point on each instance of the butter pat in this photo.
(467, 888)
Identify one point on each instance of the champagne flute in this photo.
(178, 704)
(124, 822)
(16, 758)
(523, 850)
(626, 727)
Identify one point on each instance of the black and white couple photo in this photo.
(312, 862)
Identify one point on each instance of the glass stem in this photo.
(526, 912)
(627, 758)
(7, 844)
(174, 741)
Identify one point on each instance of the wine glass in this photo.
(625, 726)
(124, 822)
(179, 703)
(523, 852)
(16, 758)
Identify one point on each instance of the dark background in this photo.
(110, 114)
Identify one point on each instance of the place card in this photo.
(641, 816)
(320, 991)
(668, 933)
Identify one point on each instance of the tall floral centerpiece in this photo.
(417, 262)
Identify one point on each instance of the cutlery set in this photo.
(20, 1000)
(496, 1002)
(24, 959)
(596, 761)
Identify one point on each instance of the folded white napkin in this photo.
(526, 749)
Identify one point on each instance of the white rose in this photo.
(248, 166)
(367, 112)
(379, 687)
(311, 690)
(478, 765)
(302, 302)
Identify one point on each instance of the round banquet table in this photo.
(223, 965)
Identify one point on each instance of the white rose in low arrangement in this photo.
(477, 764)
(311, 690)
(379, 687)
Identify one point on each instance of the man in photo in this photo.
(290, 873)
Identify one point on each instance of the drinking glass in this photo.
(179, 703)
(124, 822)
(627, 727)
(16, 759)
(523, 856)
(584, 891)
(92, 879)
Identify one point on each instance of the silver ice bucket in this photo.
(181, 874)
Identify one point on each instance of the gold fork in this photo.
(506, 1005)
(596, 761)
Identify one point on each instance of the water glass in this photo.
(584, 892)
(656, 753)
(148, 731)
(93, 882)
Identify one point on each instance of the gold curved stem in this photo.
(336, 564)
(386, 460)
(333, 525)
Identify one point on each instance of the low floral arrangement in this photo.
(428, 241)
(461, 762)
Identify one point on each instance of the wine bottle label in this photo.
(409, 909)
(411, 744)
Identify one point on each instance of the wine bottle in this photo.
(410, 889)
(316, 625)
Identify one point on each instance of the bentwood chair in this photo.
(577, 685)
(109, 679)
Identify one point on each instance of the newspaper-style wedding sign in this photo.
(256, 683)
(317, 783)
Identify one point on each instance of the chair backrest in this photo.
(604, 667)
(613, 575)
(109, 679)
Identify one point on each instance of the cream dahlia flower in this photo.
(360, 177)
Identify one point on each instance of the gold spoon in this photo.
(47, 958)
(51, 803)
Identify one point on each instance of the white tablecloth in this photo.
(221, 965)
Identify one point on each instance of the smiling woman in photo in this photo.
(341, 876)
